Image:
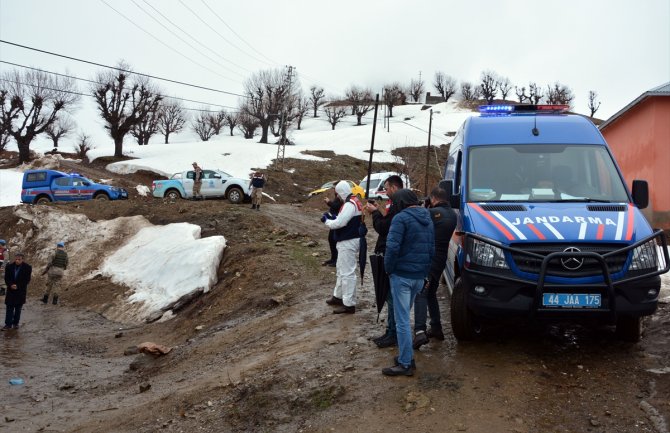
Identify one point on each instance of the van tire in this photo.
(235, 195)
(629, 328)
(463, 322)
(43, 199)
(101, 196)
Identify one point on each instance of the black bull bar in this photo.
(658, 236)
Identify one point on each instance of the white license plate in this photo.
(571, 300)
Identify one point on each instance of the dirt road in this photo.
(262, 352)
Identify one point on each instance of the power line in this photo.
(215, 31)
(88, 94)
(123, 70)
(97, 82)
(182, 39)
(235, 33)
(166, 45)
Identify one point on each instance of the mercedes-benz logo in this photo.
(572, 263)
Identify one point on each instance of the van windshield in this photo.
(543, 173)
(374, 183)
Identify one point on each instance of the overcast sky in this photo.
(619, 48)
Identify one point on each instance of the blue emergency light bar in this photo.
(523, 108)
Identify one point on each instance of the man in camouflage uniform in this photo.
(197, 181)
(55, 271)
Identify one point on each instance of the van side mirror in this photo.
(454, 199)
(641, 193)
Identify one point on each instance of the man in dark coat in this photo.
(381, 223)
(444, 220)
(410, 247)
(17, 277)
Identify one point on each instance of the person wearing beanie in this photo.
(55, 271)
(410, 246)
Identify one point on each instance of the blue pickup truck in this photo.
(547, 228)
(44, 186)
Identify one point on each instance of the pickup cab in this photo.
(215, 183)
(44, 186)
(547, 228)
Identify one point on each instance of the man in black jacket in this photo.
(381, 223)
(444, 221)
(17, 277)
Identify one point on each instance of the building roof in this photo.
(662, 90)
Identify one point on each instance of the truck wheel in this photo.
(629, 328)
(101, 196)
(463, 322)
(43, 200)
(172, 194)
(235, 195)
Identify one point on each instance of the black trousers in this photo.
(13, 315)
(333, 246)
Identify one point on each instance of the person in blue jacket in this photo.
(410, 247)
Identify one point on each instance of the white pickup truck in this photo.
(215, 183)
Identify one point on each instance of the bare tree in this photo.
(172, 119)
(489, 85)
(4, 138)
(301, 110)
(559, 94)
(594, 104)
(470, 93)
(218, 120)
(361, 100)
(59, 129)
(269, 95)
(317, 94)
(147, 124)
(232, 118)
(394, 95)
(535, 94)
(30, 102)
(416, 88)
(123, 101)
(202, 125)
(83, 146)
(505, 86)
(335, 115)
(521, 94)
(247, 124)
(445, 84)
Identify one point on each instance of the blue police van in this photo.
(44, 186)
(547, 228)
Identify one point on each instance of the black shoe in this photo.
(398, 370)
(258, 207)
(6, 328)
(380, 338)
(45, 299)
(435, 333)
(15, 326)
(334, 301)
(412, 364)
(420, 339)
(253, 206)
(332, 264)
(55, 301)
(344, 310)
(327, 263)
(388, 341)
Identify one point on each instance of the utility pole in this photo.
(281, 148)
(430, 127)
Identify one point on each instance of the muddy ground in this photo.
(261, 351)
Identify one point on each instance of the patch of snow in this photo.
(143, 190)
(10, 187)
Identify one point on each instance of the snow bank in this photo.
(10, 187)
(163, 263)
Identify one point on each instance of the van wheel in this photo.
(102, 196)
(629, 328)
(43, 200)
(235, 195)
(463, 322)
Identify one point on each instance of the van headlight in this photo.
(644, 257)
(487, 255)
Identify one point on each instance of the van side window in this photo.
(190, 174)
(457, 174)
(63, 181)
